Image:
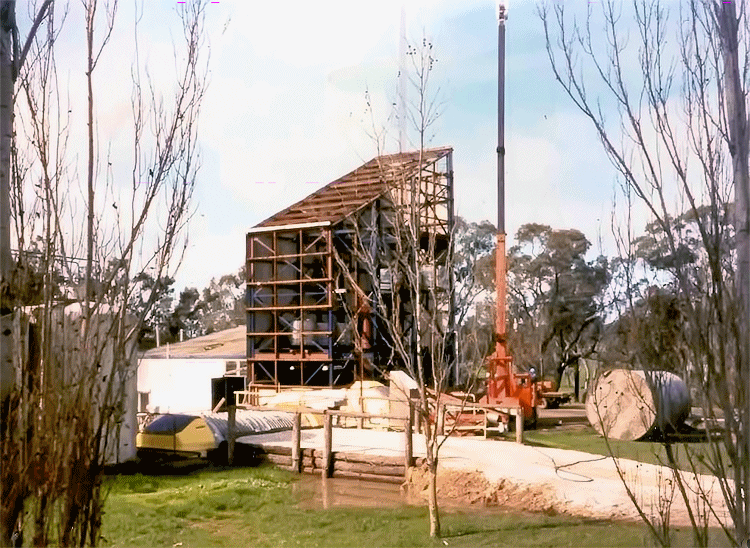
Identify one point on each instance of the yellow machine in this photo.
(180, 436)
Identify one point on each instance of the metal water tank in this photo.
(629, 404)
(298, 326)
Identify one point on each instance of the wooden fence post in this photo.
(408, 447)
(231, 431)
(296, 445)
(519, 425)
(328, 443)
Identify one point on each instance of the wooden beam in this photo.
(296, 440)
(327, 445)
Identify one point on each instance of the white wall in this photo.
(124, 438)
(179, 385)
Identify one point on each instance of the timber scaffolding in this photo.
(310, 298)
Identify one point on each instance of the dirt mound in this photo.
(473, 488)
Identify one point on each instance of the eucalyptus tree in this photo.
(665, 87)
(554, 298)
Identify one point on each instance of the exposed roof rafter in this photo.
(344, 196)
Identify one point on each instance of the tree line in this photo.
(220, 305)
(565, 306)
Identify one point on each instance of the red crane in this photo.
(505, 388)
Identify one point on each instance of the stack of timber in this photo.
(344, 465)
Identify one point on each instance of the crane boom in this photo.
(505, 388)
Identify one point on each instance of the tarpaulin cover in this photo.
(248, 422)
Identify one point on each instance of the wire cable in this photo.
(558, 467)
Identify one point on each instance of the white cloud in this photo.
(286, 105)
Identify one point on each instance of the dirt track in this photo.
(477, 471)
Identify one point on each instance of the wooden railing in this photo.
(329, 415)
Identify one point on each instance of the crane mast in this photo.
(500, 276)
(505, 389)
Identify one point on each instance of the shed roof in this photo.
(345, 195)
(226, 344)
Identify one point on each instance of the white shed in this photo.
(177, 378)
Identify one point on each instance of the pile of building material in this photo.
(317, 399)
(364, 397)
(370, 397)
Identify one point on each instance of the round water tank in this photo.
(322, 340)
(285, 269)
(298, 326)
(260, 322)
(296, 332)
(313, 296)
(625, 404)
(260, 297)
(262, 245)
(261, 271)
(285, 296)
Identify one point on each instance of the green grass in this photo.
(586, 439)
(256, 507)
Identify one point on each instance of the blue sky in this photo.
(285, 111)
(289, 107)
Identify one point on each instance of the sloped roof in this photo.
(227, 344)
(345, 195)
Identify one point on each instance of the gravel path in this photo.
(569, 482)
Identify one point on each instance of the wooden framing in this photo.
(289, 305)
(295, 293)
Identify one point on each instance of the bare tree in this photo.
(405, 246)
(74, 349)
(12, 59)
(679, 141)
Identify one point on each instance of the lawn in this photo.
(586, 439)
(257, 507)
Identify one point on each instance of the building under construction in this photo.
(318, 270)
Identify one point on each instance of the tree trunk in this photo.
(90, 13)
(7, 373)
(432, 500)
(739, 150)
(7, 22)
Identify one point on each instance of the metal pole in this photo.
(502, 17)
(402, 46)
(497, 365)
(500, 250)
